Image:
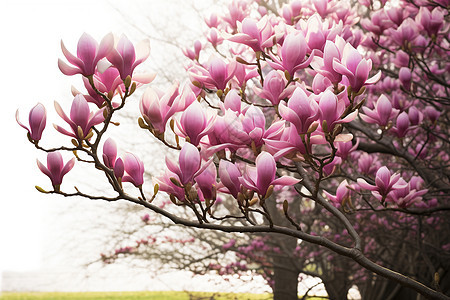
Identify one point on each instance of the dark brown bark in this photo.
(336, 289)
(285, 270)
(286, 279)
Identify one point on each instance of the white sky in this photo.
(31, 31)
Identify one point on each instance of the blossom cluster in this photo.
(288, 114)
(313, 101)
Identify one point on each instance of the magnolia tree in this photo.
(322, 126)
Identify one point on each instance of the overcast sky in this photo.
(31, 32)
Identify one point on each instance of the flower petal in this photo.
(286, 180)
(67, 70)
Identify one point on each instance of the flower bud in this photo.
(285, 206)
(37, 120)
(253, 201)
(404, 75)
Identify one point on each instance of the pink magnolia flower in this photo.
(81, 118)
(217, 74)
(406, 33)
(432, 21)
(157, 107)
(415, 116)
(212, 21)
(347, 14)
(329, 169)
(274, 88)
(331, 110)
(419, 44)
(378, 22)
(317, 32)
(398, 100)
(432, 114)
(227, 133)
(405, 76)
(320, 84)
(301, 110)
(244, 73)
(229, 177)
(89, 54)
(384, 183)
(388, 84)
(435, 68)
(381, 114)
(56, 169)
(232, 101)
(344, 149)
(125, 58)
(422, 150)
(402, 125)
(193, 54)
(275, 130)
(355, 68)
(355, 37)
(324, 65)
(134, 170)
(291, 10)
(342, 193)
(262, 10)
(410, 194)
(258, 35)
(194, 123)
(289, 143)
(368, 164)
(109, 153)
(214, 37)
(106, 82)
(254, 123)
(166, 185)
(237, 11)
(416, 183)
(324, 7)
(262, 176)
(397, 14)
(233, 130)
(292, 54)
(37, 119)
(206, 182)
(401, 59)
(189, 162)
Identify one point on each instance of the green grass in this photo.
(134, 296)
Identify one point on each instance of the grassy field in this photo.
(134, 296)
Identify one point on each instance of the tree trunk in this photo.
(337, 290)
(285, 268)
(383, 289)
(285, 279)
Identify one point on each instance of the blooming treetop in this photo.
(275, 104)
